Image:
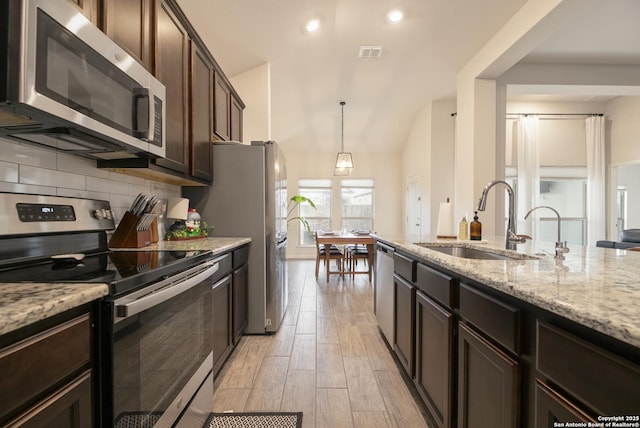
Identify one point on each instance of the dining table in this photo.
(346, 238)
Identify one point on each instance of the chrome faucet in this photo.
(561, 247)
(511, 238)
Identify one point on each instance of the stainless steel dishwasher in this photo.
(384, 290)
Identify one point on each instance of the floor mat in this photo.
(137, 420)
(255, 420)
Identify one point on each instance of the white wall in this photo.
(384, 168)
(29, 169)
(562, 140)
(428, 155)
(625, 129)
(254, 88)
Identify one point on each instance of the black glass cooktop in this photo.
(123, 270)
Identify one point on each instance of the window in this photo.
(357, 204)
(563, 188)
(319, 191)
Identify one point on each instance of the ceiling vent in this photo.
(370, 51)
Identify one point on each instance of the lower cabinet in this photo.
(47, 376)
(222, 324)
(404, 322)
(434, 357)
(551, 407)
(240, 301)
(488, 383)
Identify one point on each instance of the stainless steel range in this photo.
(154, 341)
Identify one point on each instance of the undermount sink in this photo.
(473, 253)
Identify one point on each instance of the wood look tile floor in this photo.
(327, 360)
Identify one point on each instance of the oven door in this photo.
(162, 348)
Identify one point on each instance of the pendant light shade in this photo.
(344, 161)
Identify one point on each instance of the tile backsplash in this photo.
(28, 169)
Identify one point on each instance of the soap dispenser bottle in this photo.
(476, 228)
(462, 229)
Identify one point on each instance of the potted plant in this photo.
(294, 203)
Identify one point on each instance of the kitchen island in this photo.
(523, 341)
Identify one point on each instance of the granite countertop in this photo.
(596, 287)
(22, 304)
(217, 245)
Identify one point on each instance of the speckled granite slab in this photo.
(215, 244)
(25, 303)
(595, 287)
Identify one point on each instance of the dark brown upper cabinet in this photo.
(131, 25)
(201, 115)
(172, 61)
(236, 119)
(222, 114)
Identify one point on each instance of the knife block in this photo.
(127, 236)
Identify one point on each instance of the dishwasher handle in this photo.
(192, 277)
(385, 248)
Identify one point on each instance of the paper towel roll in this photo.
(445, 221)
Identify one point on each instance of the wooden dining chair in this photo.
(334, 254)
(353, 253)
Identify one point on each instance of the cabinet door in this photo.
(68, 407)
(89, 8)
(404, 322)
(551, 408)
(221, 302)
(240, 301)
(488, 384)
(201, 165)
(129, 24)
(222, 106)
(236, 120)
(172, 60)
(434, 353)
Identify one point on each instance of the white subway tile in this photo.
(49, 177)
(121, 201)
(134, 189)
(124, 178)
(9, 172)
(27, 188)
(26, 154)
(78, 165)
(95, 184)
(75, 193)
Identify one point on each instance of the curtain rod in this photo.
(555, 114)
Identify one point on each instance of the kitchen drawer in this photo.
(225, 266)
(405, 267)
(496, 319)
(601, 380)
(435, 284)
(240, 256)
(41, 362)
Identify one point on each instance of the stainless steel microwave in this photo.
(70, 87)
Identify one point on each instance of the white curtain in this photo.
(596, 206)
(528, 191)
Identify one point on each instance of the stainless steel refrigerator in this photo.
(248, 197)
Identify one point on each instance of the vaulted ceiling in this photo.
(312, 72)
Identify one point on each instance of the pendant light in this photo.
(344, 162)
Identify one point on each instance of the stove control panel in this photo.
(28, 214)
(45, 212)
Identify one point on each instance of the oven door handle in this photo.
(136, 306)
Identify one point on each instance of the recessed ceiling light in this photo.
(395, 15)
(312, 25)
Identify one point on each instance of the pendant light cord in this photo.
(342, 103)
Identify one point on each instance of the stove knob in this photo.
(99, 214)
(109, 214)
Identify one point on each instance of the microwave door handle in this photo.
(136, 306)
(142, 113)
